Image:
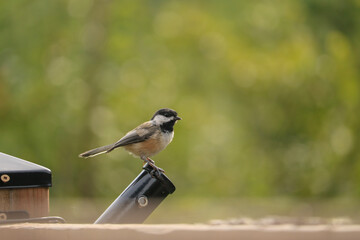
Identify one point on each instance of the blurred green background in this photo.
(268, 92)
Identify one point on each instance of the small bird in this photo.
(146, 140)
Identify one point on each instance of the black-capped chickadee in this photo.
(147, 139)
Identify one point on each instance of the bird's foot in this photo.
(159, 169)
(150, 160)
(152, 164)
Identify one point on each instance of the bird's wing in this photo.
(139, 134)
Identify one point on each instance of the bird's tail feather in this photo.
(96, 151)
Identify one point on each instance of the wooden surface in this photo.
(178, 232)
(33, 200)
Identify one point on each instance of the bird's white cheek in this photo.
(159, 119)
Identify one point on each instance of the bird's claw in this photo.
(152, 164)
(160, 169)
(156, 172)
(151, 161)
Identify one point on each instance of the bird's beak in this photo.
(178, 118)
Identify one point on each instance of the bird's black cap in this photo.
(167, 112)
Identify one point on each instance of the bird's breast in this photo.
(151, 146)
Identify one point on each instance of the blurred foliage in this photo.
(268, 92)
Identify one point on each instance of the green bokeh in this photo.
(268, 92)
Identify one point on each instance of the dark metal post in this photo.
(139, 199)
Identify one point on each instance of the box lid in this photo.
(18, 173)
